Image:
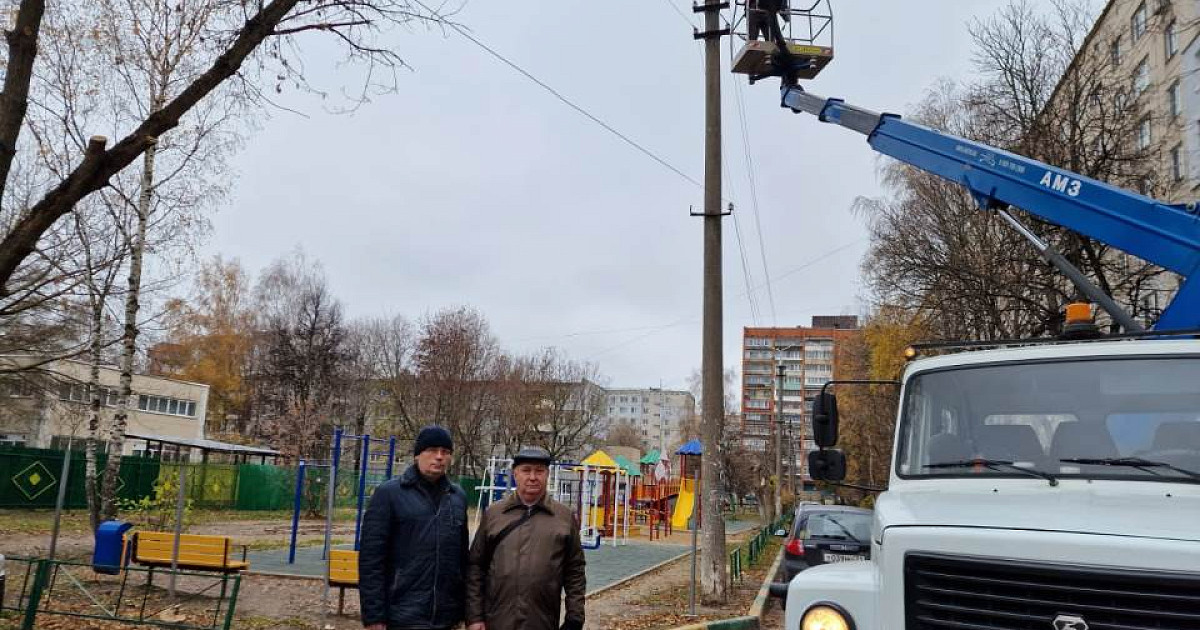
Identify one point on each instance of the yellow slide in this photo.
(683, 504)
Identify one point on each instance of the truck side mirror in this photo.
(827, 465)
(825, 420)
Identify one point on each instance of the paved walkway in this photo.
(604, 565)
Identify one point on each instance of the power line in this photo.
(737, 230)
(680, 13)
(749, 157)
(585, 333)
(691, 320)
(812, 262)
(566, 101)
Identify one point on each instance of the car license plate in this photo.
(831, 558)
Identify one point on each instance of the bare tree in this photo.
(456, 360)
(386, 345)
(571, 407)
(934, 252)
(232, 34)
(303, 347)
(624, 434)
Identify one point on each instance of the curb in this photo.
(637, 575)
(760, 600)
(752, 620)
(733, 623)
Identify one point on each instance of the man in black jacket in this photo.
(413, 551)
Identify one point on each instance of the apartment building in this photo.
(1141, 61)
(659, 415)
(42, 408)
(808, 359)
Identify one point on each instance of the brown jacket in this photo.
(521, 587)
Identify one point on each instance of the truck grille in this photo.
(976, 594)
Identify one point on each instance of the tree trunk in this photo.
(98, 165)
(14, 100)
(90, 482)
(116, 439)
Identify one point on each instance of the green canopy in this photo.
(651, 458)
(627, 466)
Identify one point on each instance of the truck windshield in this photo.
(1132, 418)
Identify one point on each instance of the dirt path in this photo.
(657, 600)
(257, 534)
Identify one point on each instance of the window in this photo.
(12, 439)
(1137, 23)
(1143, 136)
(1114, 52)
(1141, 77)
(1173, 99)
(1176, 164)
(1120, 101)
(1146, 185)
(16, 388)
(170, 406)
(1171, 40)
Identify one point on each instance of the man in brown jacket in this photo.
(525, 554)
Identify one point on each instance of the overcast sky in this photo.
(474, 186)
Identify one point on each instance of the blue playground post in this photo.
(391, 455)
(333, 468)
(296, 507)
(362, 485)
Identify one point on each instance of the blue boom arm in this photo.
(1166, 235)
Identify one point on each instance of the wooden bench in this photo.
(343, 572)
(204, 553)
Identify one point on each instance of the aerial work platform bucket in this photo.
(757, 58)
(807, 32)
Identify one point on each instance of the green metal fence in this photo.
(755, 548)
(735, 565)
(29, 478)
(470, 485)
(263, 487)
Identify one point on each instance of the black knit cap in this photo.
(432, 436)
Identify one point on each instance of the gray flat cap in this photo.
(531, 455)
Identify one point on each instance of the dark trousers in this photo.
(762, 24)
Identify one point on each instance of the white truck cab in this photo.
(1052, 487)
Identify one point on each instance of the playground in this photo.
(208, 567)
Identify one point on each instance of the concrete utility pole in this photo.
(780, 368)
(714, 586)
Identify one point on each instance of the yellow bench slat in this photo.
(343, 567)
(195, 550)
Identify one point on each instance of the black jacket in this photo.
(413, 554)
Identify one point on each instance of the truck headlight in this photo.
(826, 617)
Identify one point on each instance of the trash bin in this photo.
(110, 547)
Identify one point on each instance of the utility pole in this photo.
(714, 586)
(780, 369)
